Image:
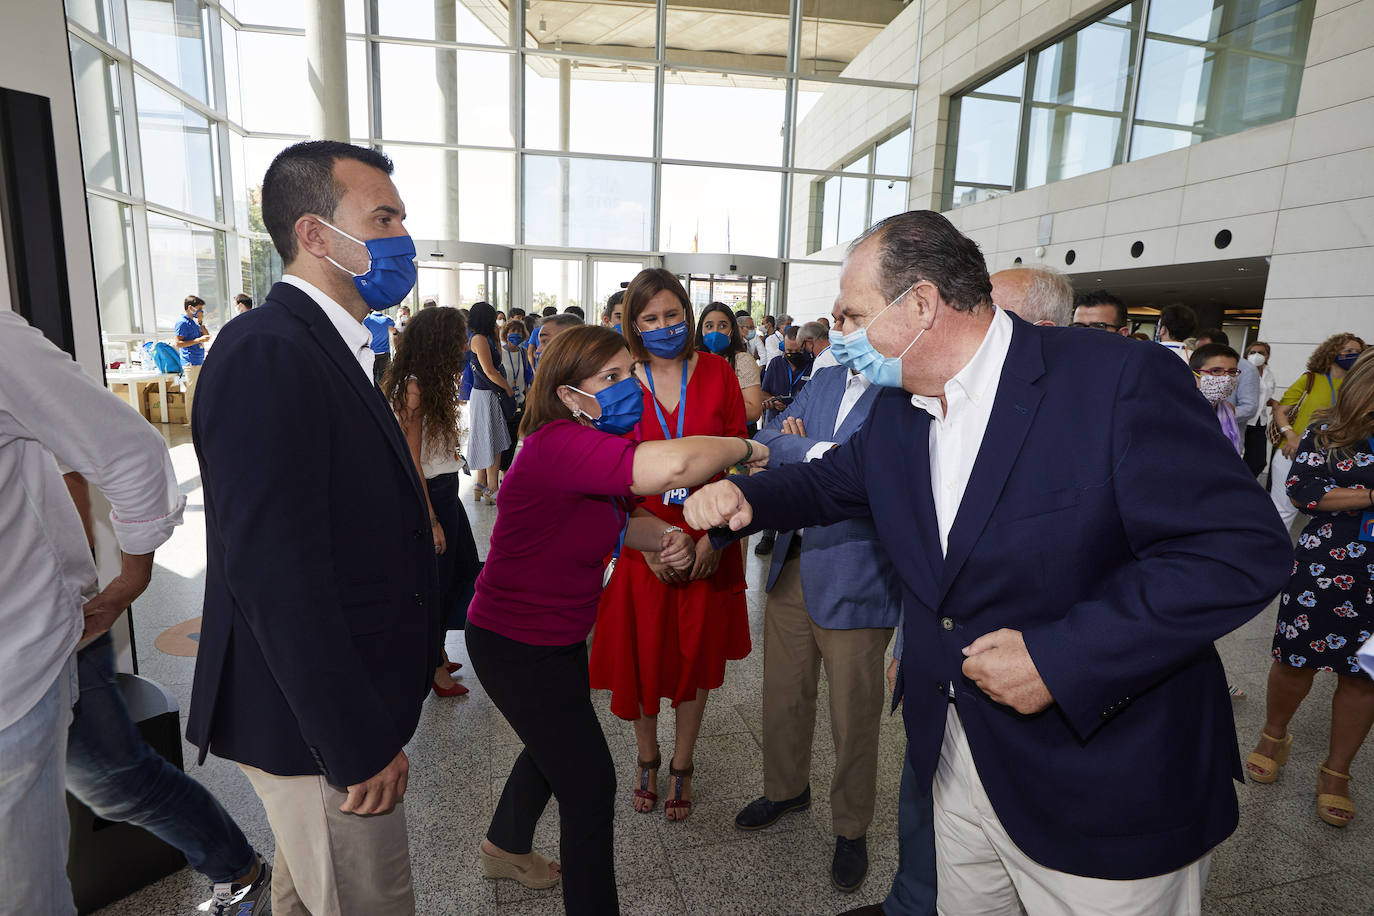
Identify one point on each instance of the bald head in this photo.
(1038, 294)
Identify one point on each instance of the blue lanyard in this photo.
(624, 527)
(792, 379)
(681, 401)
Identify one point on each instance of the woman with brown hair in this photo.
(666, 633)
(421, 385)
(1314, 390)
(565, 504)
(1327, 611)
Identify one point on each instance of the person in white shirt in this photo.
(51, 412)
(1256, 440)
(773, 341)
(1177, 323)
(752, 345)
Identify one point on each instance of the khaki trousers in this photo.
(192, 374)
(793, 649)
(329, 863)
(982, 872)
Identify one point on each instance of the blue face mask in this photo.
(391, 268)
(715, 341)
(616, 327)
(666, 342)
(854, 350)
(1347, 362)
(750, 334)
(516, 340)
(622, 404)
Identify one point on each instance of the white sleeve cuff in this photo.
(145, 536)
(817, 450)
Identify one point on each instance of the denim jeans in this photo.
(913, 887)
(121, 778)
(34, 827)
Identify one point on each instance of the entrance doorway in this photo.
(459, 274)
(756, 295)
(559, 280)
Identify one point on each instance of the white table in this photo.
(138, 381)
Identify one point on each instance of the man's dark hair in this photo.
(301, 180)
(517, 313)
(575, 310)
(923, 245)
(244, 300)
(791, 331)
(1214, 335)
(192, 300)
(771, 320)
(1205, 352)
(741, 314)
(1179, 320)
(1099, 297)
(549, 311)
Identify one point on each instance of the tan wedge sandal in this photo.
(1269, 766)
(1327, 800)
(535, 874)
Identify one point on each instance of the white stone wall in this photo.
(1299, 191)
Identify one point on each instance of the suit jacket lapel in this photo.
(305, 308)
(1013, 412)
(858, 413)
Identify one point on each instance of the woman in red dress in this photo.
(661, 634)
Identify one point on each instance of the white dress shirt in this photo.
(823, 361)
(1267, 388)
(50, 412)
(355, 336)
(773, 346)
(956, 431)
(854, 388)
(1177, 347)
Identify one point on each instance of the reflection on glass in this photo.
(95, 15)
(112, 246)
(835, 33)
(233, 91)
(612, 28)
(276, 96)
(239, 179)
(283, 13)
(486, 197)
(714, 35)
(100, 116)
(555, 282)
(889, 199)
(168, 39)
(185, 259)
(445, 20)
(985, 150)
(608, 275)
(830, 213)
(1213, 71)
(357, 88)
(427, 180)
(722, 210)
(589, 203)
(178, 153)
(853, 208)
(893, 155)
(610, 107)
(755, 139)
(1079, 91)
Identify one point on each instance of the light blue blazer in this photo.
(847, 579)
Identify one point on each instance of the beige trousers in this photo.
(329, 863)
(981, 871)
(192, 374)
(794, 647)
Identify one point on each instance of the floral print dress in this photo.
(1327, 610)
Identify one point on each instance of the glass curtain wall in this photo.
(1112, 91)
(635, 126)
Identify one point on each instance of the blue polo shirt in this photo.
(189, 329)
(380, 326)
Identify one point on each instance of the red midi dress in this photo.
(656, 641)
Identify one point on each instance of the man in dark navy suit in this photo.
(1062, 583)
(321, 628)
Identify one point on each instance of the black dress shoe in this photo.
(764, 546)
(761, 812)
(873, 909)
(850, 865)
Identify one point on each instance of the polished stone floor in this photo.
(1282, 860)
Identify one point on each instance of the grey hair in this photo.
(813, 330)
(1049, 297)
(563, 320)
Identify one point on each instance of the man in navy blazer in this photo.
(832, 598)
(1073, 534)
(321, 624)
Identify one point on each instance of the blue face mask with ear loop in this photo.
(391, 269)
(854, 351)
(715, 341)
(665, 342)
(622, 406)
(1347, 362)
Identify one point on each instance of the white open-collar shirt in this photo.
(956, 430)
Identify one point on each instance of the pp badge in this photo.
(676, 497)
(1367, 526)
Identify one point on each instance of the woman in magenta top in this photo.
(565, 505)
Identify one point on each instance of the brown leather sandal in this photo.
(645, 767)
(677, 802)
